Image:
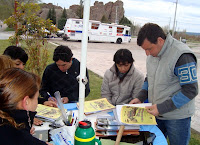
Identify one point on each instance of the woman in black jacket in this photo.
(19, 92)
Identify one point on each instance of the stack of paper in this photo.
(109, 126)
(111, 142)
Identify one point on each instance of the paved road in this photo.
(100, 55)
(5, 35)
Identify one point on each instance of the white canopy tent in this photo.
(86, 16)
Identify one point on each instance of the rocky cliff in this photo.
(110, 11)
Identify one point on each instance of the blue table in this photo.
(159, 139)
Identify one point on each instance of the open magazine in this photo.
(97, 105)
(48, 113)
(135, 114)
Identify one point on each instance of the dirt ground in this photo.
(100, 58)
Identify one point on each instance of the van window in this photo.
(77, 22)
(94, 26)
(126, 32)
(120, 30)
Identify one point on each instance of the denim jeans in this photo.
(178, 131)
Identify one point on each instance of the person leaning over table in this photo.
(171, 83)
(122, 82)
(62, 76)
(19, 92)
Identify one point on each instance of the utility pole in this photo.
(17, 41)
(116, 18)
(169, 24)
(81, 9)
(174, 19)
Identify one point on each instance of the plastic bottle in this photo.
(85, 135)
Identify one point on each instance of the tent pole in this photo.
(86, 15)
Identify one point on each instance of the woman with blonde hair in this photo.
(6, 62)
(19, 92)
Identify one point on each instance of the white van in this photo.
(97, 31)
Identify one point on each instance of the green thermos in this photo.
(84, 134)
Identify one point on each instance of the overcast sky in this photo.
(155, 11)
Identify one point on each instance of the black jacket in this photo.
(9, 135)
(54, 79)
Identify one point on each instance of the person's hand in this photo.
(52, 99)
(49, 143)
(32, 131)
(65, 100)
(50, 104)
(135, 101)
(37, 121)
(152, 110)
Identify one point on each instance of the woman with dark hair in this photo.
(19, 92)
(122, 82)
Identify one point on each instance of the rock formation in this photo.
(96, 12)
(108, 10)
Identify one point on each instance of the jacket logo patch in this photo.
(187, 74)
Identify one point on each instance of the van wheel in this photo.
(65, 38)
(119, 41)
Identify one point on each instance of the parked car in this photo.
(48, 34)
(60, 33)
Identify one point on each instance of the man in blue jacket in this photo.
(62, 76)
(171, 82)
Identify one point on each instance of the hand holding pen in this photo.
(51, 98)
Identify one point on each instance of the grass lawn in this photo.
(95, 86)
(4, 45)
(9, 29)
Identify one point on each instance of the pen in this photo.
(72, 121)
(50, 96)
(75, 120)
